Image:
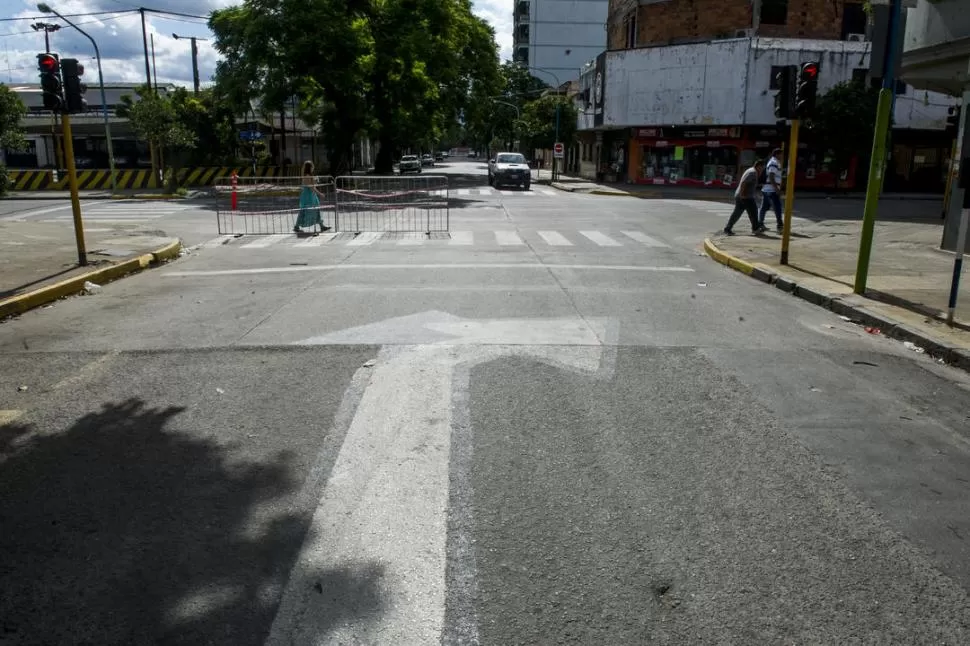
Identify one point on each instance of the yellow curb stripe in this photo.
(24, 302)
(727, 259)
(41, 176)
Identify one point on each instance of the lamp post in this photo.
(43, 7)
(558, 90)
(518, 115)
(195, 58)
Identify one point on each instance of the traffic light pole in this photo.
(790, 189)
(82, 254)
(877, 164)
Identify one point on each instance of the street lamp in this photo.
(558, 89)
(43, 7)
(195, 58)
(47, 27)
(518, 115)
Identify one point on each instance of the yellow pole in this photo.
(789, 189)
(82, 254)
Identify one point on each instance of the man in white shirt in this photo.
(771, 191)
(744, 199)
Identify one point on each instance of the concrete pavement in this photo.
(485, 443)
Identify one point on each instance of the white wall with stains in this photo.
(728, 83)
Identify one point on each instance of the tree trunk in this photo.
(384, 164)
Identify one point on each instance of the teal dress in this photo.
(309, 209)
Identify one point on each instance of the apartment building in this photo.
(555, 37)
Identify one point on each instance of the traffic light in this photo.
(953, 121)
(74, 89)
(50, 81)
(783, 100)
(806, 91)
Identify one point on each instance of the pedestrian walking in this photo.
(309, 202)
(771, 191)
(744, 199)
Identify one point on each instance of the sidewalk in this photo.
(139, 193)
(38, 261)
(717, 194)
(908, 282)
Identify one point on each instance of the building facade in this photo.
(936, 57)
(555, 37)
(687, 94)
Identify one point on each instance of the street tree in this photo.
(12, 111)
(844, 122)
(156, 120)
(538, 124)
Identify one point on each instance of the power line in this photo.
(68, 15)
(86, 22)
(175, 13)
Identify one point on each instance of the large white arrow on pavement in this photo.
(384, 512)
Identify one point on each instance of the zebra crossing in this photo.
(487, 191)
(125, 211)
(511, 238)
(720, 209)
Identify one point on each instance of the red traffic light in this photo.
(47, 63)
(810, 70)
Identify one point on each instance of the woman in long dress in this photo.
(309, 202)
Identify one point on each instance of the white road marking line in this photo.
(88, 218)
(601, 239)
(28, 214)
(547, 192)
(217, 242)
(643, 238)
(413, 241)
(317, 240)
(508, 238)
(555, 239)
(509, 192)
(463, 191)
(398, 267)
(366, 238)
(462, 238)
(263, 242)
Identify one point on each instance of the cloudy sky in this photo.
(119, 37)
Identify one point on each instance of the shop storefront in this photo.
(716, 156)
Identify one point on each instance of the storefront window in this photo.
(712, 164)
(662, 163)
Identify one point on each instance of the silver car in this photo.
(409, 164)
(509, 169)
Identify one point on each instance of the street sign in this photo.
(250, 135)
(558, 150)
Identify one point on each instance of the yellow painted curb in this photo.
(597, 191)
(24, 302)
(727, 259)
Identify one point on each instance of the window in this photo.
(774, 12)
(511, 158)
(630, 30)
(853, 19)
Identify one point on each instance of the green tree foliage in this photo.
(212, 124)
(399, 70)
(538, 124)
(156, 119)
(491, 118)
(844, 121)
(12, 110)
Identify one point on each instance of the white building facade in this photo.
(698, 114)
(556, 37)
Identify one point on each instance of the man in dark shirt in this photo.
(744, 199)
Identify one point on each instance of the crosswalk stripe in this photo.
(264, 241)
(601, 239)
(547, 192)
(508, 238)
(316, 241)
(87, 218)
(462, 238)
(217, 242)
(554, 238)
(365, 238)
(643, 238)
(413, 240)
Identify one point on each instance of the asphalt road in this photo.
(559, 424)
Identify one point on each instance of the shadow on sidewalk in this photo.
(121, 529)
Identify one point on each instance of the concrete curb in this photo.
(28, 301)
(952, 355)
(597, 191)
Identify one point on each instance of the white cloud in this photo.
(119, 37)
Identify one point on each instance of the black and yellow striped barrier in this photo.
(93, 180)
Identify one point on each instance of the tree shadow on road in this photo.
(123, 530)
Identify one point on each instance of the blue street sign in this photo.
(250, 135)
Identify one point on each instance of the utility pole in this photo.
(963, 182)
(195, 58)
(877, 164)
(144, 39)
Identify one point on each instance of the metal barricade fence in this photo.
(393, 204)
(270, 205)
(352, 203)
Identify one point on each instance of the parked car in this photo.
(427, 160)
(439, 156)
(509, 169)
(409, 164)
